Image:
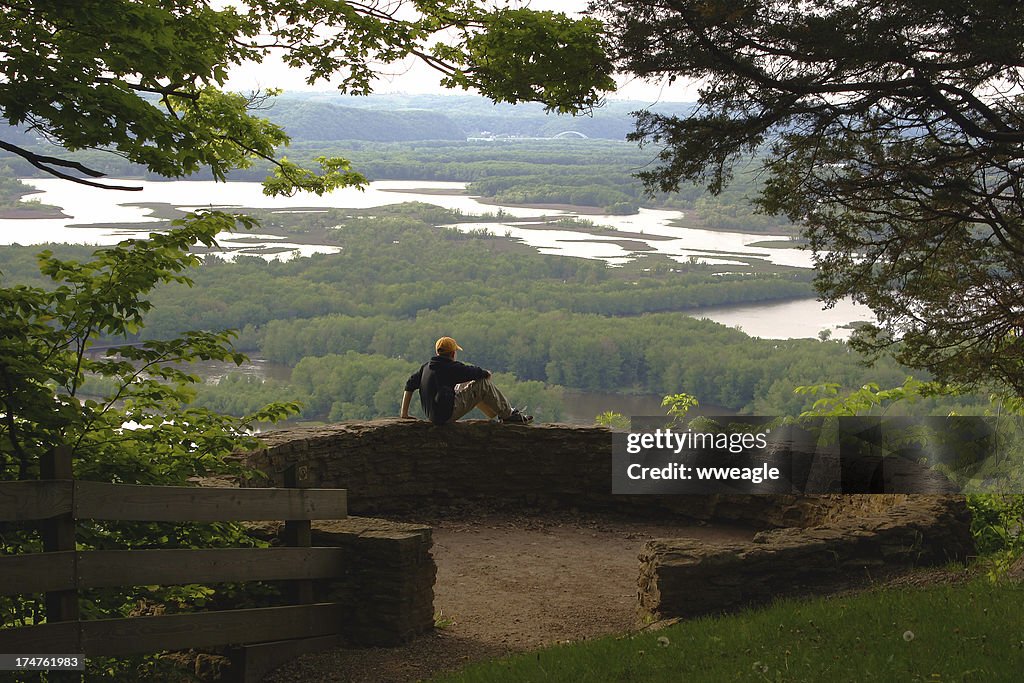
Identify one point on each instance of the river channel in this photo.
(104, 217)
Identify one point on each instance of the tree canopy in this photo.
(143, 78)
(892, 130)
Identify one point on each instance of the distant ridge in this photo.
(328, 116)
(310, 119)
(396, 118)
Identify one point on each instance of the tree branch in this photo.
(46, 163)
(170, 89)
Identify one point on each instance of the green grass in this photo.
(971, 632)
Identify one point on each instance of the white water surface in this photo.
(98, 217)
(95, 215)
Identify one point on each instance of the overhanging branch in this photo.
(47, 163)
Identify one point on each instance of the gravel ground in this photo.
(512, 582)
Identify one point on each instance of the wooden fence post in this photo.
(299, 533)
(250, 663)
(59, 534)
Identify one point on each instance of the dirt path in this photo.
(508, 583)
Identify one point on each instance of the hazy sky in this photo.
(414, 77)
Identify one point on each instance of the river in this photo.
(104, 217)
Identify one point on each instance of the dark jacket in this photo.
(436, 380)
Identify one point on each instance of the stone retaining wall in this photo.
(387, 590)
(396, 465)
(811, 543)
(685, 578)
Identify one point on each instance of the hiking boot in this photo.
(517, 417)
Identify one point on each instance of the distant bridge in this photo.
(505, 137)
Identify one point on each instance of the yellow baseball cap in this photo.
(446, 345)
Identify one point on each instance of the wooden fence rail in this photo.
(112, 637)
(58, 502)
(37, 500)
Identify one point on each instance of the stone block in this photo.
(387, 589)
(681, 578)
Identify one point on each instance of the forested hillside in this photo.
(353, 325)
(424, 137)
(475, 115)
(323, 116)
(305, 119)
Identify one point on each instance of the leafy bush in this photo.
(140, 429)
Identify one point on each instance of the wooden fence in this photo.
(57, 502)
